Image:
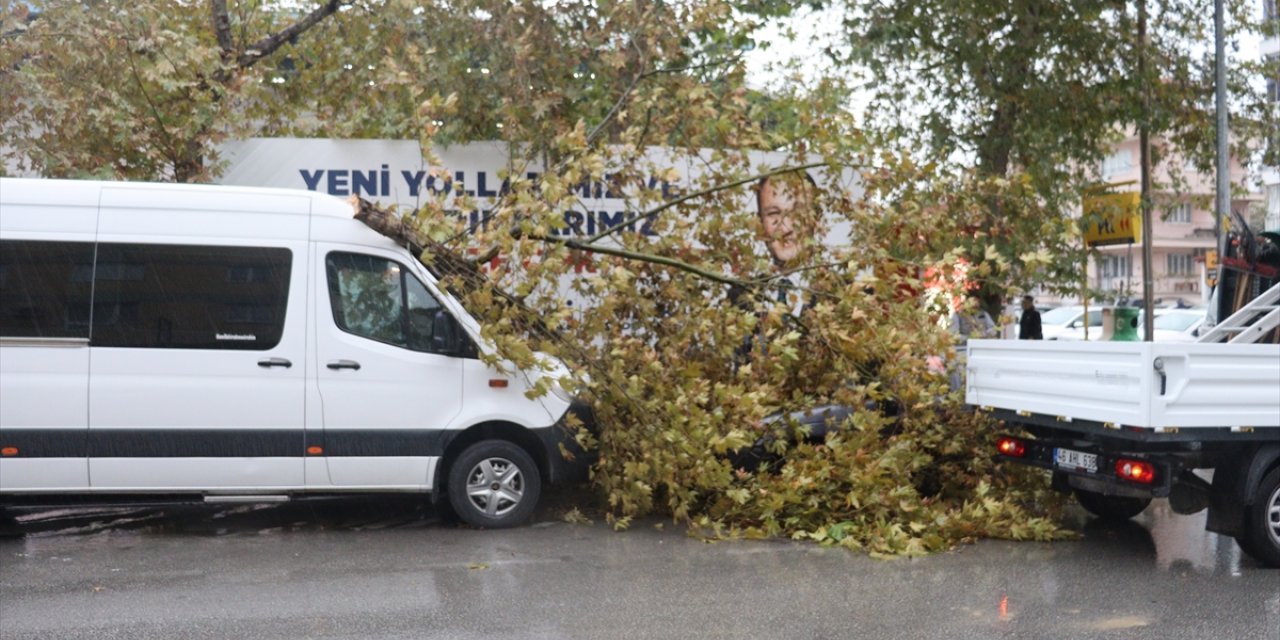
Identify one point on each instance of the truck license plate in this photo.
(1071, 459)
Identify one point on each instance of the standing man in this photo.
(1029, 323)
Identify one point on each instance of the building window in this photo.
(1118, 162)
(1179, 264)
(1115, 267)
(1273, 81)
(1179, 213)
(1273, 207)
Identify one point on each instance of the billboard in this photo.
(395, 172)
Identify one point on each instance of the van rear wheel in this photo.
(494, 484)
(1111, 507)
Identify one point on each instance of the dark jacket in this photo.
(1029, 326)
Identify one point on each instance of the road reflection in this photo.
(1165, 540)
(327, 514)
(1158, 538)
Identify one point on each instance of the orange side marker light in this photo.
(9, 451)
(314, 450)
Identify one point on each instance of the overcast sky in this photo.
(814, 30)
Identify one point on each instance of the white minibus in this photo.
(233, 344)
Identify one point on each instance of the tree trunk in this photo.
(995, 150)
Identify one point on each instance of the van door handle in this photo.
(344, 364)
(275, 362)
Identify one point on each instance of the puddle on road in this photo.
(1157, 539)
(1118, 623)
(1170, 542)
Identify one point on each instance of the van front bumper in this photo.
(558, 440)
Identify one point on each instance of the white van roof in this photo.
(220, 209)
(49, 191)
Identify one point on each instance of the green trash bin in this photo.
(1126, 329)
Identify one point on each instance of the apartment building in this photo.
(1182, 224)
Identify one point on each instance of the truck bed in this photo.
(1118, 384)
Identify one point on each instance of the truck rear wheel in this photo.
(1111, 507)
(494, 484)
(1261, 538)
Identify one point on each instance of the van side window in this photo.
(190, 296)
(45, 289)
(381, 300)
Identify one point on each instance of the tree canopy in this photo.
(1040, 91)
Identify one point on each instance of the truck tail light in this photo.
(1135, 470)
(1012, 447)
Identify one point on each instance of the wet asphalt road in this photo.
(391, 569)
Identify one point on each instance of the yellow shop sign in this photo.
(1112, 218)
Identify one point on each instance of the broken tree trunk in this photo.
(441, 260)
(454, 270)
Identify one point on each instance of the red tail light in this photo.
(1135, 470)
(1011, 447)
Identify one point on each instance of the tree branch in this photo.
(596, 130)
(266, 46)
(697, 194)
(166, 138)
(222, 26)
(574, 243)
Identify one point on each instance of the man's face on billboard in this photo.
(784, 203)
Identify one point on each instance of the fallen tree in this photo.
(686, 371)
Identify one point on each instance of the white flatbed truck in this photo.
(1120, 423)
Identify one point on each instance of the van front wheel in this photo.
(494, 484)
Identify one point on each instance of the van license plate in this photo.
(1071, 459)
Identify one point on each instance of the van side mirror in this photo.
(446, 336)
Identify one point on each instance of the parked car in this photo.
(1174, 325)
(1068, 323)
(1178, 325)
(808, 425)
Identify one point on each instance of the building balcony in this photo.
(1165, 286)
(1177, 285)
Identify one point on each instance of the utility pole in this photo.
(1222, 201)
(1144, 142)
